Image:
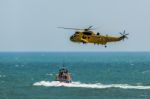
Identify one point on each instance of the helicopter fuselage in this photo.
(91, 37)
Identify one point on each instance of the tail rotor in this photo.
(124, 35)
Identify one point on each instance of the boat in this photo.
(63, 75)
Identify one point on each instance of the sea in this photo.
(95, 75)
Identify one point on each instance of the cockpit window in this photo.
(77, 32)
(87, 33)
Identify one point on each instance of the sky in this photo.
(31, 25)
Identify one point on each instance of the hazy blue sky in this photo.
(30, 25)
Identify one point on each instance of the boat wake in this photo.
(84, 85)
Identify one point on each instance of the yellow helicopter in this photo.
(87, 36)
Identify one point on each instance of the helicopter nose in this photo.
(71, 38)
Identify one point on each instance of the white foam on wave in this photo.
(146, 72)
(2, 75)
(49, 74)
(84, 85)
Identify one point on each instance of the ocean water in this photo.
(102, 75)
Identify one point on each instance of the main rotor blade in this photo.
(70, 28)
(89, 27)
(124, 32)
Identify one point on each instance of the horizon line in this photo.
(67, 51)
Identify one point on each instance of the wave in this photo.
(2, 76)
(49, 74)
(85, 85)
